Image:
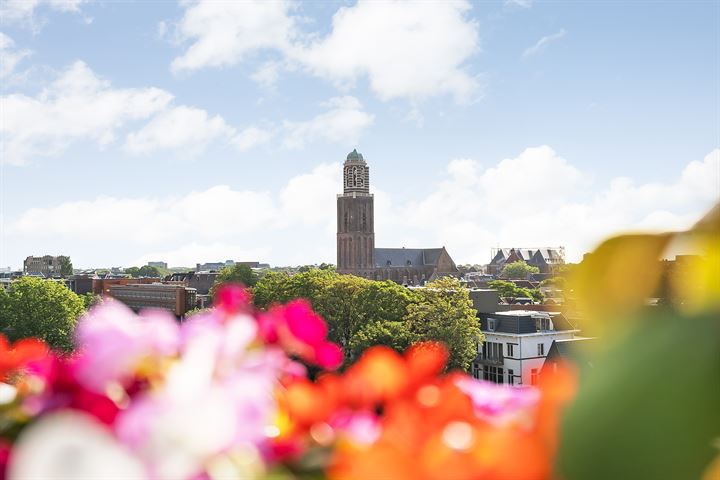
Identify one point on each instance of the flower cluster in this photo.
(226, 394)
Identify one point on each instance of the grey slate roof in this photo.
(405, 257)
(508, 323)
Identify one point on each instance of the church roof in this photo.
(355, 156)
(401, 257)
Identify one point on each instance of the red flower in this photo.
(20, 354)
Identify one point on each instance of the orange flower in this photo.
(16, 357)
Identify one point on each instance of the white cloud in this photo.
(187, 128)
(540, 199)
(9, 55)
(224, 33)
(534, 199)
(79, 105)
(251, 137)
(217, 223)
(267, 75)
(406, 49)
(24, 10)
(308, 197)
(543, 43)
(344, 122)
(410, 50)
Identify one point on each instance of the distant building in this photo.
(200, 281)
(516, 344)
(356, 252)
(45, 266)
(217, 266)
(81, 284)
(101, 286)
(545, 259)
(176, 298)
(158, 264)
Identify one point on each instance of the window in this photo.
(492, 351)
(542, 323)
(541, 349)
(491, 324)
(533, 376)
(493, 374)
(510, 349)
(511, 377)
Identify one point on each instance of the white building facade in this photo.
(517, 343)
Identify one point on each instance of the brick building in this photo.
(176, 298)
(356, 252)
(46, 266)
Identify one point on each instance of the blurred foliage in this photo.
(649, 399)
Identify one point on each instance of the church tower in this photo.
(356, 219)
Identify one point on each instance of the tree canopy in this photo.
(518, 270)
(43, 309)
(361, 313)
(144, 271)
(66, 267)
(444, 312)
(510, 290)
(237, 273)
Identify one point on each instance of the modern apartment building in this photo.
(516, 344)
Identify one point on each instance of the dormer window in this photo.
(542, 323)
(491, 324)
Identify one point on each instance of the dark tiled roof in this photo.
(508, 323)
(571, 348)
(402, 257)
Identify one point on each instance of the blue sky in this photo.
(201, 130)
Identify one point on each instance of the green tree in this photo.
(396, 335)
(444, 312)
(238, 273)
(148, 271)
(43, 309)
(66, 267)
(144, 271)
(518, 270)
(90, 300)
(346, 302)
(509, 289)
(132, 271)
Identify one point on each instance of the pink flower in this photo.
(232, 297)
(305, 325)
(300, 331)
(498, 403)
(328, 355)
(360, 427)
(114, 341)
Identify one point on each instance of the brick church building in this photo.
(356, 252)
